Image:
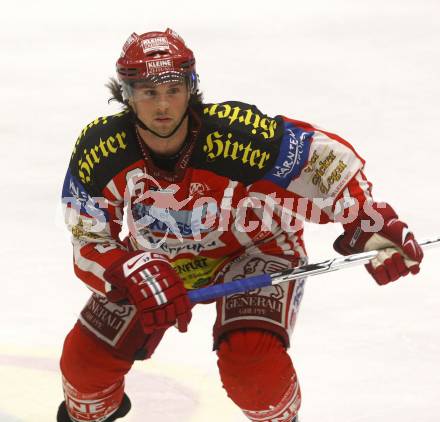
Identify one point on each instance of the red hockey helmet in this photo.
(158, 57)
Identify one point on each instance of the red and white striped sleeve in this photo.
(332, 177)
(95, 224)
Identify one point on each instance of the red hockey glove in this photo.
(399, 253)
(154, 287)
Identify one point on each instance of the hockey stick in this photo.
(264, 280)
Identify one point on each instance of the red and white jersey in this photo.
(243, 184)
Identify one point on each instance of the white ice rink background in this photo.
(367, 70)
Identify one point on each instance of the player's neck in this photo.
(165, 146)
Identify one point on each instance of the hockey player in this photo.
(238, 185)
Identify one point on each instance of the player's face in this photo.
(160, 107)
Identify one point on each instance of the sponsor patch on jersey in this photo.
(198, 189)
(99, 122)
(294, 151)
(75, 196)
(237, 141)
(106, 320)
(96, 155)
(264, 304)
(196, 272)
(329, 167)
(219, 146)
(248, 117)
(185, 223)
(173, 247)
(325, 170)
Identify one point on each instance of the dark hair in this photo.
(116, 91)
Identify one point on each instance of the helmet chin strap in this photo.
(142, 125)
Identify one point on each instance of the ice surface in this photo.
(365, 70)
